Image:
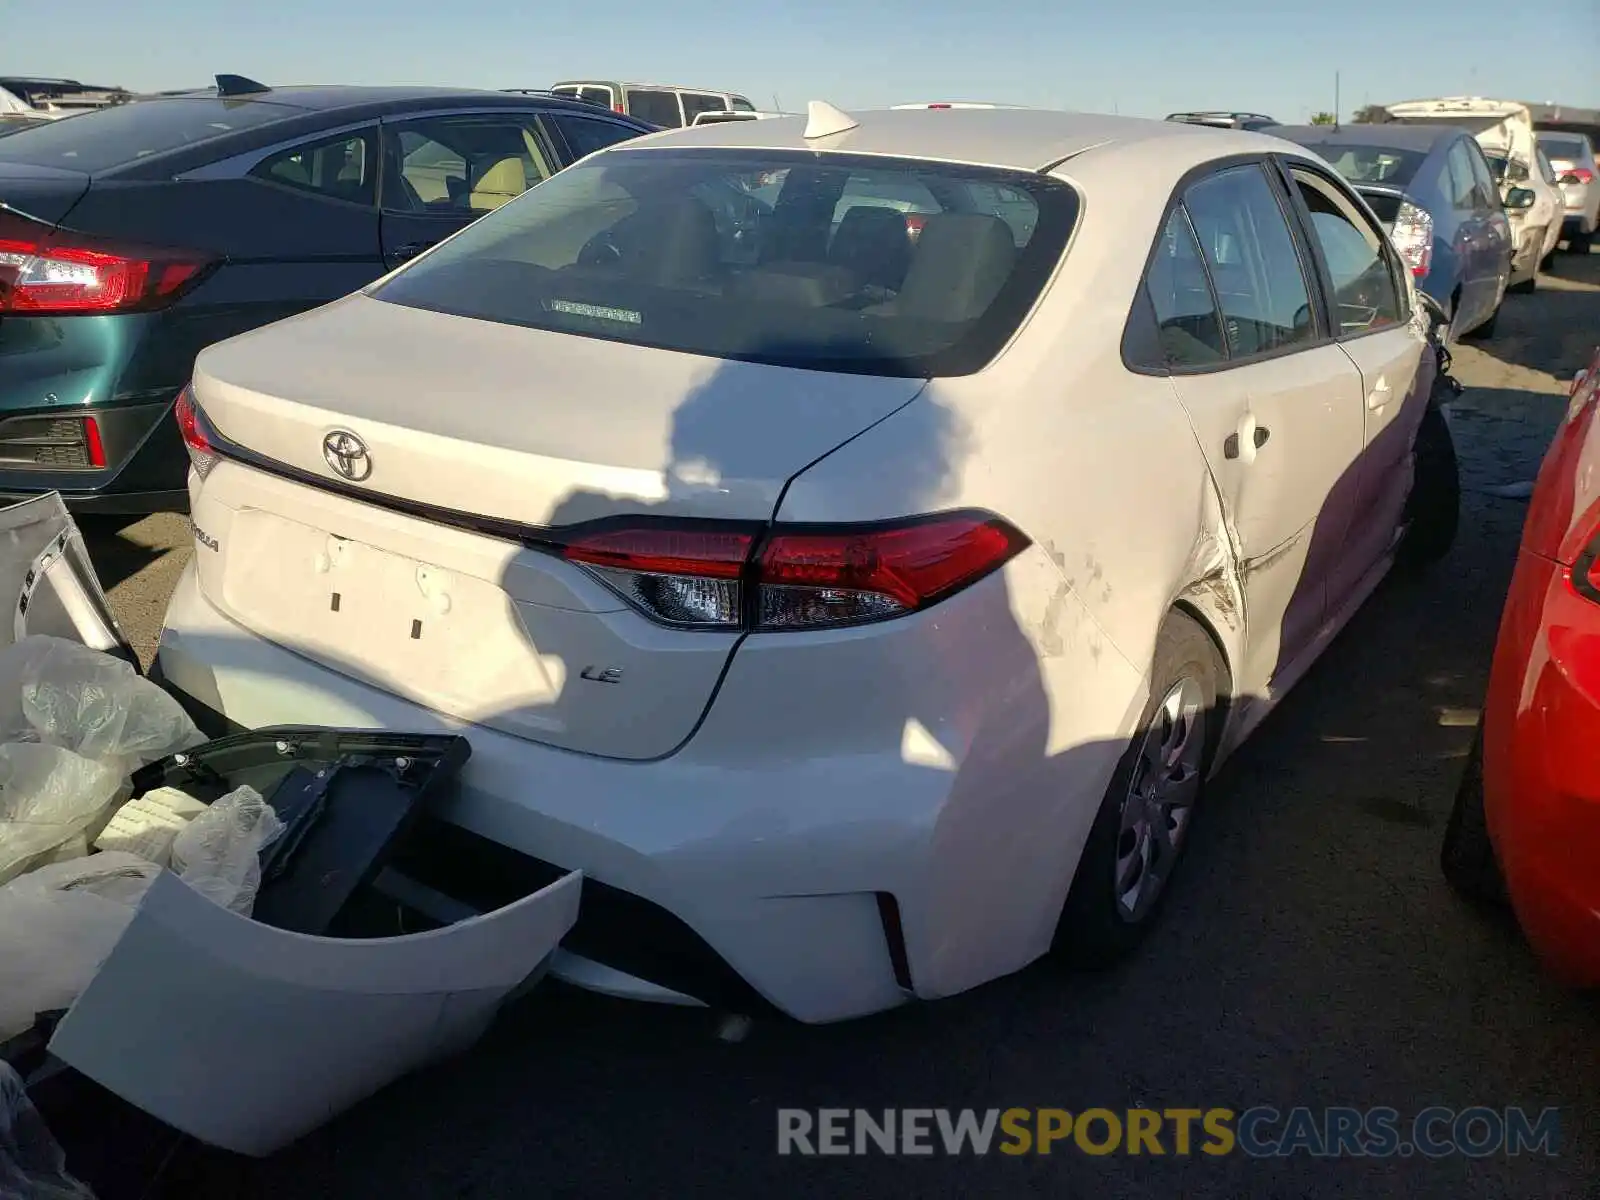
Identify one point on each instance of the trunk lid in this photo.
(385, 577)
(525, 425)
(47, 194)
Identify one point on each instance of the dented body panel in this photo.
(951, 760)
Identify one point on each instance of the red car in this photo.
(1526, 824)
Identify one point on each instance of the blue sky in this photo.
(1136, 58)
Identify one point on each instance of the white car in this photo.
(1572, 159)
(1504, 129)
(862, 615)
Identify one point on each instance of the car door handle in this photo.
(410, 250)
(1233, 447)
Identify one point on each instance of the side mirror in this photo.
(1520, 199)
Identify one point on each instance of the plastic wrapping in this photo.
(49, 797)
(63, 694)
(57, 924)
(219, 851)
(32, 1166)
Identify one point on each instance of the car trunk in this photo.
(427, 569)
(46, 194)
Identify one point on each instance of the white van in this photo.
(662, 104)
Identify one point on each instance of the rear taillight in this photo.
(706, 576)
(1413, 237)
(1584, 174)
(689, 577)
(196, 433)
(47, 272)
(914, 224)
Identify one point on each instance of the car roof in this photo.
(633, 83)
(338, 97)
(1019, 139)
(1394, 135)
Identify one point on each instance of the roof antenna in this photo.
(239, 85)
(824, 120)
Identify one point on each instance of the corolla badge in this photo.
(347, 455)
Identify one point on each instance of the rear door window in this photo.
(596, 95)
(659, 107)
(466, 164)
(1254, 266)
(340, 168)
(126, 133)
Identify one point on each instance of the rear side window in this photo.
(1488, 190)
(340, 168)
(1545, 169)
(1366, 293)
(695, 103)
(114, 137)
(596, 95)
(1186, 312)
(585, 135)
(740, 104)
(1463, 182)
(656, 107)
(831, 262)
(1255, 268)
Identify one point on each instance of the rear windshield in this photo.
(1371, 164)
(1385, 206)
(1569, 149)
(113, 137)
(825, 261)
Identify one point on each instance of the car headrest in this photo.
(502, 181)
(961, 262)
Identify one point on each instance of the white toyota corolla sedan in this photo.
(850, 540)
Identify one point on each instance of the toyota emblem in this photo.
(347, 455)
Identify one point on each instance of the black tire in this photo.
(1433, 510)
(1530, 284)
(1467, 856)
(1579, 243)
(1094, 929)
